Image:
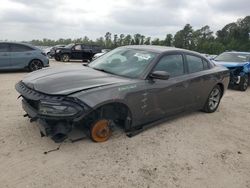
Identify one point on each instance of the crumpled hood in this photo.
(230, 64)
(68, 79)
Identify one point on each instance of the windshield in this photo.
(69, 46)
(232, 57)
(124, 62)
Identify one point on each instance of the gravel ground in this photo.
(193, 150)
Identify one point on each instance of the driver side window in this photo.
(78, 47)
(173, 64)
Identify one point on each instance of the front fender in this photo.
(246, 68)
(131, 95)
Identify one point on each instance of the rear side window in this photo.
(4, 47)
(173, 64)
(86, 47)
(195, 64)
(20, 48)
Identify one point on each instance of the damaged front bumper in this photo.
(57, 126)
(236, 73)
(235, 80)
(54, 128)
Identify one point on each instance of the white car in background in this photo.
(104, 51)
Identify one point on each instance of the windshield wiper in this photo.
(102, 70)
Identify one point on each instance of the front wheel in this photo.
(243, 83)
(213, 100)
(57, 58)
(35, 65)
(65, 58)
(100, 130)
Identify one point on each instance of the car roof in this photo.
(159, 49)
(21, 43)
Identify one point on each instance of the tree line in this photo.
(233, 36)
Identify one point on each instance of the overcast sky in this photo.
(37, 19)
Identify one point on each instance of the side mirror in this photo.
(161, 75)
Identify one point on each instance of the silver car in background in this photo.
(15, 56)
(104, 51)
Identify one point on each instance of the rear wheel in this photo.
(213, 100)
(100, 130)
(65, 58)
(35, 65)
(243, 83)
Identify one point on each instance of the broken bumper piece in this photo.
(57, 130)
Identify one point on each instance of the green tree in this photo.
(147, 41)
(168, 40)
(137, 39)
(121, 39)
(156, 41)
(115, 42)
(127, 40)
(184, 38)
(108, 41)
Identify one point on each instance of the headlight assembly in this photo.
(58, 51)
(57, 109)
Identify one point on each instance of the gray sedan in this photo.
(15, 56)
(132, 86)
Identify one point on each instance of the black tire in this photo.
(65, 57)
(213, 100)
(244, 82)
(57, 58)
(35, 65)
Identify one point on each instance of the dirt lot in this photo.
(193, 150)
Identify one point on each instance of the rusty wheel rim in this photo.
(100, 131)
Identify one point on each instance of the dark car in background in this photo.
(76, 52)
(21, 56)
(132, 87)
(52, 50)
(239, 65)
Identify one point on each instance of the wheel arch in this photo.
(221, 85)
(113, 109)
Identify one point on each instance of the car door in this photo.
(167, 97)
(5, 62)
(76, 52)
(21, 55)
(199, 78)
(87, 52)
